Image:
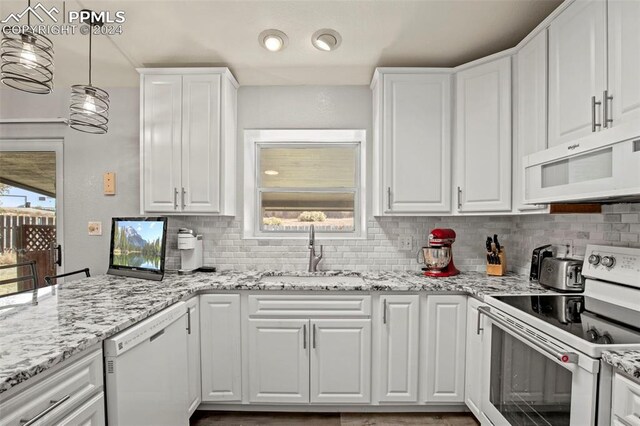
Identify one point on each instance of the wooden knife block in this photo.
(498, 270)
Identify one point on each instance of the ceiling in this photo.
(439, 33)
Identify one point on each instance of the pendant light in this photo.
(89, 110)
(27, 60)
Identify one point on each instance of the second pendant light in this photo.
(89, 110)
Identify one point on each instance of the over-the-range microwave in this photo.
(585, 170)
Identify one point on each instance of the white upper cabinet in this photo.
(201, 143)
(412, 142)
(483, 137)
(188, 132)
(577, 70)
(624, 63)
(161, 145)
(530, 108)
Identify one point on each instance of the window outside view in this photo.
(308, 184)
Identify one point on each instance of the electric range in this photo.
(542, 353)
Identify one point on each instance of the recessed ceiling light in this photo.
(271, 172)
(326, 39)
(273, 40)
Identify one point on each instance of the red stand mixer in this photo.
(438, 256)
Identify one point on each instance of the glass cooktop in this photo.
(590, 319)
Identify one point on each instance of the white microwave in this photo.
(584, 171)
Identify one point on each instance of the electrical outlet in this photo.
(405, 243)
(94, 228)
(565, 248)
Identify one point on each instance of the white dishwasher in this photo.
(146, 371)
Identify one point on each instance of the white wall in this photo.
(86, 158)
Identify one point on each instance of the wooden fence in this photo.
(9, 228)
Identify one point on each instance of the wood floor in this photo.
(210, 418)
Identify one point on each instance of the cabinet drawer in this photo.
(91, 413)
(625, 401)
(67, 388)
(309, 306)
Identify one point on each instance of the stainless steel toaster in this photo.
(562, 274)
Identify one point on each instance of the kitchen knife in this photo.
(495, 241)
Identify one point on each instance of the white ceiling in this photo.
(225, 32)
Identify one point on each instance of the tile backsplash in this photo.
(224, 247)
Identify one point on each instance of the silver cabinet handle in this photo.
(50, 408)
(175, 198)
(189, 321)
(562, 356)
(459, 198)
(314, 336)
(183, 194)
(605, 109)
(389, 198)
(594, 124)
(304, 336)
(479, 319)
(384, 311)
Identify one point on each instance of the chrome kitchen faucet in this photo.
(313, 259)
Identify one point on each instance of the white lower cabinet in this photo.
(625, 409)
(473, 364)
(398, 348)
(193, 355)
(220, 346)
(341, 361)
(91, 413)
(69, 394)
(444, 328)
(278, 355)
(323, 361)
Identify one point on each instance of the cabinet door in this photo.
(220, 347)
(161, 142)
(278, 361)
(577, 69)
(483, 139)
(399, 346)
(624, 61)
(341, 361)
(531, 110)
(417, 143)
(473, 363)
(200, 190)
(445, 358)
(193, 354)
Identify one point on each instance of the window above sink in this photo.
(298, 178)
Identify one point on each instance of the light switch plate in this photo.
(405, 243)
(109, 183)
(94, 228)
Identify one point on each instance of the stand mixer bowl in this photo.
(435, 258)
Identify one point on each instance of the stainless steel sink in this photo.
(312, 280)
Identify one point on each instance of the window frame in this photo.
(285, 138)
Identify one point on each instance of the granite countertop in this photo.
(627, 361)
(87, 311)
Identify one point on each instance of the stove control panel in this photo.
(616, 264)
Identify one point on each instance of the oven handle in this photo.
(564, 357)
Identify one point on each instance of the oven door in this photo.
(532, 379)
